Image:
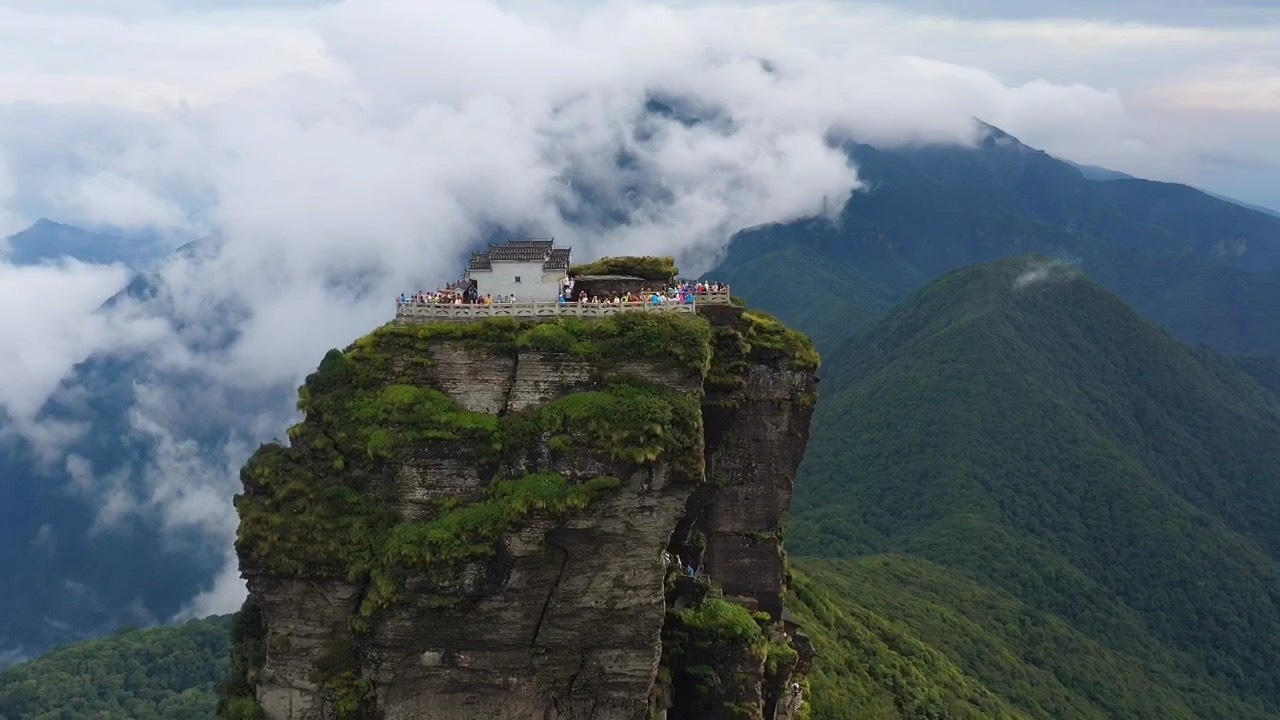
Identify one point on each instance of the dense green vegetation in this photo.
(897, 632)
(1050, 450)
(665, 337)
(236, 697)
(1096, 478)
(769, 340)
(682, 339)
(708, 648)
(828, 301)
(647, 267)
(472, 530)
(875, 667)
(630, 422)
(159, 674)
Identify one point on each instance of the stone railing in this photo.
(717, 297)
(410, 312)
(431, 312)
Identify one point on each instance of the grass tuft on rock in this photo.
(730, 622)
(662, 268)
(630, 422)
(768, 338)
(678, 339)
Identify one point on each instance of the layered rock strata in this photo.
(473, 522)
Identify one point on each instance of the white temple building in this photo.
(530, 270)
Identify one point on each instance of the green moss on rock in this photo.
(648, 267)
(363, 415)
(630, 421)
(338, 675)
(729, 622)
(678, 339)
(744, 338)
(320, 506)
(472, 531)
(717, 650)
(768, 337)
(469, 531)
(684, 340)
(298, 522)
(396, 416)
(726, 380)
(495, 336)
(237, 699)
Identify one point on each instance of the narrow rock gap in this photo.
(511, 385)
(573, 679)
(564, 561)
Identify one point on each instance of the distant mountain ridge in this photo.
(1259, 208)
(1206, 268)
(48, 241)
(1093, 172)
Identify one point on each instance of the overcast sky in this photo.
(346, 151)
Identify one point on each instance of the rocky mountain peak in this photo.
(561, 518)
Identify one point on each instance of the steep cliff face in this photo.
(472, 518)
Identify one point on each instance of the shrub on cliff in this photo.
(661, 268)
(768, 338)
(631, 422)
(685, 339)
(730, 622)
(467, 531)
(714, 651)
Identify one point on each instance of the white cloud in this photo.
(12, 656)
(223, 595)
(339, 153)
(105, 198)
(45, 320)
(45, 540)
(1039, 272)
(8, 189)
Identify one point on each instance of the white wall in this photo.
(534, 283)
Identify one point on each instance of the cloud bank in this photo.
(337, 154)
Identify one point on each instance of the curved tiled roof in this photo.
(558, 259)
(524, 251)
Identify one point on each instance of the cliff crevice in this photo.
(472, 519)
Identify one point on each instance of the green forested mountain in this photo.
(1074, 508)
(159, 674)
(1206, 269)
(803, 290)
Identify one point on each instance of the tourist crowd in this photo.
(456, 294)
(682, 294)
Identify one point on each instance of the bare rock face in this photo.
(479, 521)
(756, 434)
